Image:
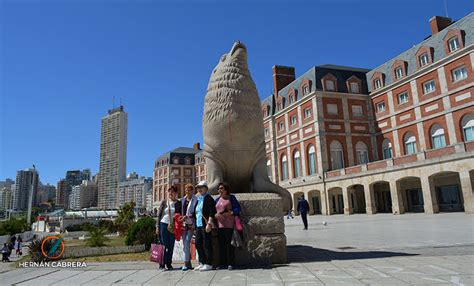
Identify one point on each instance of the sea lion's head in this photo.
(232, 71)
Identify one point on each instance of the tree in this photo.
(125, 218)
(14, 226)
(141, 232)
(97, 237)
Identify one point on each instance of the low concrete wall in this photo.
(73, 252)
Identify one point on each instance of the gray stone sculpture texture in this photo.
(234, 144)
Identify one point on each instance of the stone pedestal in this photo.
(264, 230)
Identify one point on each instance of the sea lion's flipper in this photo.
(262, 184)
(215, 174)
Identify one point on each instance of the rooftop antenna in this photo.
(446, 8)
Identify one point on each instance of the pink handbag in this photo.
(157, 253)
(238, 224)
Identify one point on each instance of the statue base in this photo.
(264, 230)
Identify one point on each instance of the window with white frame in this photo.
(378, 83)
(362, 153)
(176, 171)
(468, 127)
(187, 161)
(187, 172)
(280, 106)
(269, 168)
(402, 97)
(354, 87)
(459, 74)
(357, 110)
(332, 108)
(311, 160)
(410, 143)
(453, 44)
(429, 87)
(284, 168)
(386, 149)
(330, 85)
(305, 90)
(292, 99)
(380, 106)
(438, 139)
(424, 59)
(297, 164)
(281, 126)
(293, 120)
(337, 157)
(398, 72)
(176, 161)
(267, 132)
(307, 113)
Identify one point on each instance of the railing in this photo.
(397, 161)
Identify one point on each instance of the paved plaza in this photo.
(382, 249)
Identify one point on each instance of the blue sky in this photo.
(62, 62)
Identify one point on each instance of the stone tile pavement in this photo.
(350, 250)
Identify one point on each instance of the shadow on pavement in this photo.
(303, 253)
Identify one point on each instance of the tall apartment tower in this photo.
(113, 156)
(24, 180)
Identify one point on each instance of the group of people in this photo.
(15, 243)
(198, 214)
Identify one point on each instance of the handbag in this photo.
(236, 239)
(157, 252)
(238, 223)
(171, 224)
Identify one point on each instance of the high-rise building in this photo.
(64, 187)
(135, 189)
(45, 193)
(6, 199)
(61, 194)
(83, 196)
(113, 156)
(7, 184)
(24, 180)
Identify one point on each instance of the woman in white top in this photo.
(166, 212)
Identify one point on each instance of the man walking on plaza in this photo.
(303, 208)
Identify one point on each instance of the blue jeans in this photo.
(187, 235)
(167, 239)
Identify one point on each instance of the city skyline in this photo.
(152, 88)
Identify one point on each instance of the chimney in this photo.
(438, 23)
(282, 76)
(197, 146)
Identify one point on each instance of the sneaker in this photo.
(206, 267)
(169, 267)
(198, 267)
(230, 267)
(184, 268)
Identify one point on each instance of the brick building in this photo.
(174, 168)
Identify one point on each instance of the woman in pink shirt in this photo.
(227, 207)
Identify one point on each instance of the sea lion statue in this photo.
(234, 144)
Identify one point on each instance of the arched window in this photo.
(410, 143)
(387, 149)
(311, 160)
(438, 139)
(296, 164)
(337, 157)
(362, 153)
(269, 168)
(284, 168)
(468, 127)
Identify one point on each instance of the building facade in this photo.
(6, 199)
(176, 168)
(134, 189)
(64, 187)
(83, 196)
(26, 181)
(113, 156)
(409, 149)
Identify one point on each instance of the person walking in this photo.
(204, 213)
(188, 203)
(227, 206)
(165, 225)
(303, 208)
(5, 253)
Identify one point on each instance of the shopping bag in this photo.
(157, 252)
(236, 239)
(238, 223)
(178, 253)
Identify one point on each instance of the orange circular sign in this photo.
(58, 250)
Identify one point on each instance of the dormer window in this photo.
(292, 99)
(330, 85)
(280, 106)
(378, 83)
(424, 59)
(398, 72)
(354, 87)
(453, 44)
